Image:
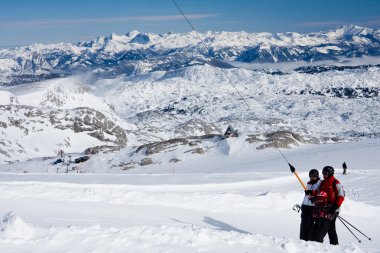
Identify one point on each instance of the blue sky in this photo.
(45, 21)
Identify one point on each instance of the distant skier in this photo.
(308, 205)
(344, 168)
(334, 199)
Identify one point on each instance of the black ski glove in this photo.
(330, 217)
(308, 192)
(334, 209)
(292, 169)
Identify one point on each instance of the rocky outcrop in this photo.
(287, 139)
(146, 161)
(91, 121)
(158, 147)
(125, 165)
(168, 145)
(146, 154)
(280, 139)
(20, 122)
(102, 149)
(199, 151)
(196, 126)
(174, 160)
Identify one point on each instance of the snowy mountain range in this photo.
(82, 111)
(136, 52)
(117, 145)
(137, 89)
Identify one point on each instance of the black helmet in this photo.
(328, 170)
(313, 173)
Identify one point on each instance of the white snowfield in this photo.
(241, 202)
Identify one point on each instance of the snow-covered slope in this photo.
(237, 203)
(138, 52)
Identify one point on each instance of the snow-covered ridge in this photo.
(137, 52)
(338, 104)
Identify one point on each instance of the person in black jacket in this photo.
(344, 168)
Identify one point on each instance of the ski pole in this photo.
(340, 217)
(299, 179)
(293, 170)
(349, 229)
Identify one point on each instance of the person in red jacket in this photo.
(321, 217)
(335, 197)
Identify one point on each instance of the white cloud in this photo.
(64, 22)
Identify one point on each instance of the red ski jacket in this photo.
(334, 190)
